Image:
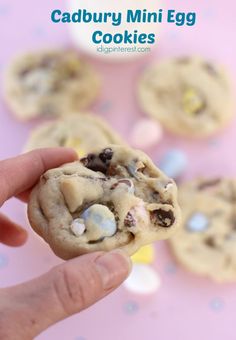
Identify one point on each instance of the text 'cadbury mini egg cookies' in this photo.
(83, 132)
(114, 198)
(189, 96)
(50, 83)
(206, 243)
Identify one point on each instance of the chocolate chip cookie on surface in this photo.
(82, 131)
(50, 83)
(114, 198)
(206, 244)
(189, 96)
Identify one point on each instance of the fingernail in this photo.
(114, 267)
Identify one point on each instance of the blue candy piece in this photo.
(217, 304)
(198, 222)
(100, 220)
(3, 261)
(131, 307)
(86, 214)
(132, 168)
(108, 225)
(173, 163)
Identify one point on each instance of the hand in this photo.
(29, 308)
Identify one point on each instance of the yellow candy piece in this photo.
(73, 64)
(192, 102)
(144, 255)
(68, 67)
(75, 144)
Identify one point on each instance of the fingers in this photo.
(11, 233)
(67, 289)
(20, 173)
(24, 196)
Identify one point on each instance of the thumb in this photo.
(29, 308)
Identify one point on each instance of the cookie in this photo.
(83, 132)
(206, 243)
(114, 198)
(50, 83)
(189, 96)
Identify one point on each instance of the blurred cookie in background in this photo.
(206, 243)
(50, 83)
(82, 131)
(189, 96)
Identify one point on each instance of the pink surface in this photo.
(185, 307)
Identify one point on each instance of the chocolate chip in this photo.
(62, 141)
(96, 241)
(47, 62)
(163, 218)
(124, 181)
(210, 242)
(114, 186)
(73, 74)
(155, 196)
(24, 72)
(129, 220)
(89, 177)
(210, 69)
(183, 60)
(209, 183)
(94, 163)
(106, 155)
(87, 160)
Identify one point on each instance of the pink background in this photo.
(185, 307)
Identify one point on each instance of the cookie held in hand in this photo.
(114, 198)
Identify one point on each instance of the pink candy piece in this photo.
(146, 132)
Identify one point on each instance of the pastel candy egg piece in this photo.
(198, 222)
(75, 143)
(192, 102)
(145, 133)
(137, 215)
(134, 167)
(173, 163)
(126, 183)
(143, 279)
(99, 222)
(77, 227)
(144, 255)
